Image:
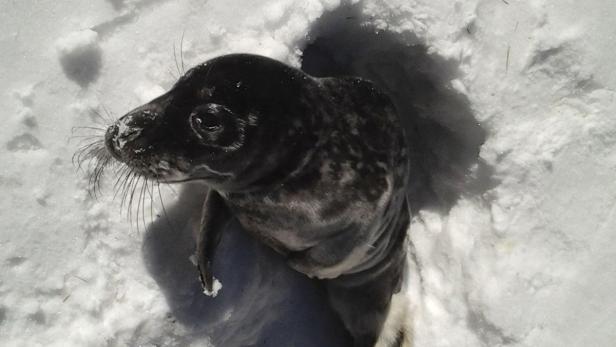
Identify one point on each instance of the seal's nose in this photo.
(131, 136)
(111, 142)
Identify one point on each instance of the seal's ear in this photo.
(214, 220)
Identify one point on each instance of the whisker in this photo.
(122, 173)
(127, 188)
(79, 132)
(182, 51)
(125, 204)
(173, 76)
(91, 154)
(175, 57)
(131, 198)
(110, 116)
(97, 174)
(98, 160)
(106, 121)
(139, 195)
(77, 158)
(121, 184)
(143, 189)
(138, 203)
(160, 197)
(85, 138)
(151, 192)
(88, 128)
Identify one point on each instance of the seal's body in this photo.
(314, 168)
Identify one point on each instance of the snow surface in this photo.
(525, 256)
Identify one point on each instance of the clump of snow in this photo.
(80, 56)
(522, 255)
(216, 287)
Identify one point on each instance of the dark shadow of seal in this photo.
(262, 302)
(444, 136)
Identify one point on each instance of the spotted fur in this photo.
(314, 168)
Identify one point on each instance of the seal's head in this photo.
(230, 122)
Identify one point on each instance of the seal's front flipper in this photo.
(214, 218)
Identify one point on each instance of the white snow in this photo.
(80, 55)
(525, 258)
(216, 287)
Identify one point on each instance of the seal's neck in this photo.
(282, 153)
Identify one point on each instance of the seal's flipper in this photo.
(214, 219)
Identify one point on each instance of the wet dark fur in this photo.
(314, 168)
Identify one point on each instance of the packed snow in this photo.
(520, 253)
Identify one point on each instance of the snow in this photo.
(524, 257)
(80, 56)
(217, 286)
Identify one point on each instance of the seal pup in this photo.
(315, 168)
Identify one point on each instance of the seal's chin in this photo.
(161, 172)
(188, 179)
(152, 168)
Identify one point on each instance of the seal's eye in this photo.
(217, 127)
(207, 120)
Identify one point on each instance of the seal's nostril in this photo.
(110, 137)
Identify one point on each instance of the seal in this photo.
(315, 168)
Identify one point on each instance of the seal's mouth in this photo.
(185, 180)
(124, 139)
(128, 143)
(153, 167)
(110, 135)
